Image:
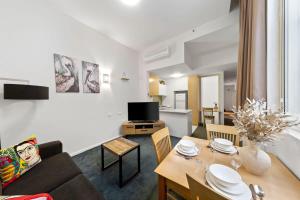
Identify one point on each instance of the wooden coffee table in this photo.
(120, 147)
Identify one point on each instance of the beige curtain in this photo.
(252, 66)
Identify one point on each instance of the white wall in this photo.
(288, 147)
(31, 31)
(274, 57)
(218, 57)
(176, 84)
(229, 97)
(212, 90)
(209, 91)
(293, 58)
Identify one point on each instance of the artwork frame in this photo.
(66, 74)
(90, 77)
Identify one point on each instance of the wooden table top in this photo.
(120, 146)
(278, 183)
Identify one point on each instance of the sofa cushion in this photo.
(45, 177)
(43, 196)
(78, 188)
(16, 160)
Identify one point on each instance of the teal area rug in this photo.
(142, 187)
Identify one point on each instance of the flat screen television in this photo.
(143, 111)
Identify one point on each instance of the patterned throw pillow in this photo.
(43, 196)
(17, 160)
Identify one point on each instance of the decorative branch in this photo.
(259, 124)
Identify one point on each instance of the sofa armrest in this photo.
(50, 149)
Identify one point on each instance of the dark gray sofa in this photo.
(57, 174)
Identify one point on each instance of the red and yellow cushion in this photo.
(16, 160)
(28, 197)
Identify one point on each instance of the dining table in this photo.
(278, 183)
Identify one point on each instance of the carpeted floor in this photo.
(142, 187)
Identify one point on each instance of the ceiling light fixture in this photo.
(130, 2)
(176, 75)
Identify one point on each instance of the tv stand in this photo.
(141, 127)
(142, 122)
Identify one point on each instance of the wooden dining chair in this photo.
(222, 131)
(162, 143)
(200, 191)
(208, 114)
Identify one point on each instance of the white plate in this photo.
(231, 151)
(246, 195)
(194, 153)
(186, 145)
(222, 148)
(224, 175)
(234, 190)
(223, 142)
(189, 151)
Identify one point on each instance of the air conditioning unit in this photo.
(157, 54)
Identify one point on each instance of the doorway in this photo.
(181, 100)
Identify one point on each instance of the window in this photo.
(292, 56)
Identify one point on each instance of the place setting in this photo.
(223, 146)
(227, 182)
(187, 149)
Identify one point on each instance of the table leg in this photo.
(102, 158)
(139, 158)
(120, 172)
(162, 188)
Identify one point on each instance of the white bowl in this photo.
(233, 190)
(187, 145)
(223, 143)
(193, 152)
(225, 175)
(229, 150)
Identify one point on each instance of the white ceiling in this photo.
(166, 72)
(217, 40)
(204, 46)
(229, 69)
(149, 22)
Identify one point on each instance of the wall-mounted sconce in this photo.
(106, 78)
(124, 77)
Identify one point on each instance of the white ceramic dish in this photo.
(192, 153)
(246, 195)
(223, 143)
(225, 175)
(221, 147)
(230, 150)
(187, 145)
(233, 190)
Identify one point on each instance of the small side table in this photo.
(120, 147)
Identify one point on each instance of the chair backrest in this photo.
(221, 131)
(162, 143)
(208, 111)
(200, 191)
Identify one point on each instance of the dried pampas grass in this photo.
(259, 124)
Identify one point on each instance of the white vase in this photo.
(255, 160)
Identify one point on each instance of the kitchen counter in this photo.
(183, 111)
(179, 121)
